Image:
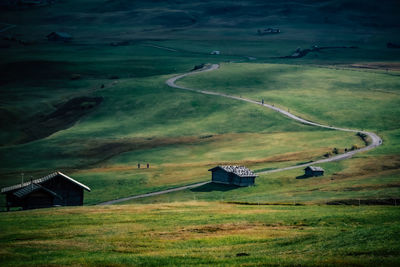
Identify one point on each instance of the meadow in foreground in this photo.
(202, 233)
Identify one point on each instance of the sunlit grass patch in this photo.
(201, 232)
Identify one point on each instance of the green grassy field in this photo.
(123, 52)
(175, 132)
(182, 134)
(340, 97)
(202, 233)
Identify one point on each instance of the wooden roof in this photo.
(42, 180)
(25, 191)
(240, 171)
(61, 34)
(315, 168)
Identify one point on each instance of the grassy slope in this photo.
(339, 97)
(143, 120)
(201, 233)
(162, 125)
(309, 92)
(165, 127)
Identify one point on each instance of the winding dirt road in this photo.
(153, 193)
(375, 139)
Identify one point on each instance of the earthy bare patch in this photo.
(108, 149)
(368, 187)
(392, 66)
(213, 228)
(371, 167)
(54, 244)
(249, 229)
(248, 211)
(292, 156)
(355, 202)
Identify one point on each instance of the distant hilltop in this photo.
(24, 3)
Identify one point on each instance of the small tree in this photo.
(354, 147)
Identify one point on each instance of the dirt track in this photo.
(376, 140)
(153, 193)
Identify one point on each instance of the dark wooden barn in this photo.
(59, 36)
(235, 175)
(268, 31)
(313, 171)
(56, 189)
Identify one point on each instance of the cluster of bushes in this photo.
(197, 67)
(364, 137)
(336, 151)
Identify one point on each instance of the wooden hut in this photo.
(59, 36)
(56, 189)
(313, 171)
(235, 175)
(268, 31)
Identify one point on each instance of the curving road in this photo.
(375, 139)
(153, 193)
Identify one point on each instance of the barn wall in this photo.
(236, 180)
(248, 181)
(244, 181)
(72, 194)
(309, 172)
(13, 201)
(38, 200)
(220, 176)
(241, 181)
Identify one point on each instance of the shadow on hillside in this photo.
(214, 187)
(304, 176)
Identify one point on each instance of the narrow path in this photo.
(153, 193)
(375, 139)
(161, 47)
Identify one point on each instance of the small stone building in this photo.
(59, 36)
(56, 189)
(235, 175)
(313, 171)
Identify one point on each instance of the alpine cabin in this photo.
(313, 171)
(56, 189)
(59, 36)
(235, 175)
